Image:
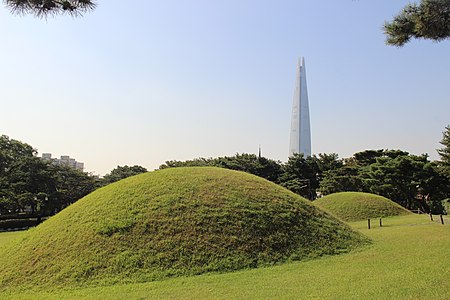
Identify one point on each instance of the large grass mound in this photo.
(172, 222)
(354, 206)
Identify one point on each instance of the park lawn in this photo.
(7, 236)
(409, 259)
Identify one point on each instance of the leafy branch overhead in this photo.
(428, 20)
(44, 8)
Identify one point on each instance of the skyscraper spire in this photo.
(300, 140)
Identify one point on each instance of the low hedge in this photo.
(18, 223)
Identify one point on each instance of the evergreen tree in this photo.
(444, 153)
(121, 173)
(300, 175)
(27, 181)
(44, 8)
(428, 20)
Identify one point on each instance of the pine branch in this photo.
(45, 8)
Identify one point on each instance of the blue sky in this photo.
(162, 80)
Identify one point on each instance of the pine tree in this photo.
(444, 153)
(44, 8)
(428, 20)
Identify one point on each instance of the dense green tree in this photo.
(395, 178)
(444, 153)
(17, 164)
(343, 179)
(30, 182)
(300, 175)
(250, 163)
(27, 181)
(122, 172)
(428, 20)
(44, 8)
(443, 167)
(436, 188)
(196, 162)
(368, 157)
(410, 180)
(11, 151)
(303, 175)
(68, 186)
(326, 162)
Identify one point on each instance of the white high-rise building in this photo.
(64, 160)
(300, 141)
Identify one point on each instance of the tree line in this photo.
(412, 181)
(40, 188)
(29, 184)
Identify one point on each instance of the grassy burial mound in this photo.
(354, 206)
(173, 222)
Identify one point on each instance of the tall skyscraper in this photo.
(300, 141)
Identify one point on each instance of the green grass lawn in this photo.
(409, 259)
(9, 235)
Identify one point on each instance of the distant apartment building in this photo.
(64, 160)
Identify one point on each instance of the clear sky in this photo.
(143, 81)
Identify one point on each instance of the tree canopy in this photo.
(410, 180)
(413, 181)
(122, 172)
(250, 163)
(28, 182)
(44, 8)
(428, 20)
(444, 153)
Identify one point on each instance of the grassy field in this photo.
(7, 236)
(409, 259)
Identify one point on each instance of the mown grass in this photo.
(354, 206)
(173, 222)
(8, 236)
(409, 259)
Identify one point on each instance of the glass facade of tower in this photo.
(300, 137)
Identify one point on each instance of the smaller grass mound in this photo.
(355, 206)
